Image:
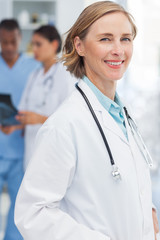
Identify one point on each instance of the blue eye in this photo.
(105, 39)
(126, 39)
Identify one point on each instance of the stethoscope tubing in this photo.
(98, 124)
(138, 138)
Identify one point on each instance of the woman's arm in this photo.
(155, 222)
(24, 117)
(48, 177)
(10, 129)
(28, 117)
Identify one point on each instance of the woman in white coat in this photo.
(47, 86)
(73, 187)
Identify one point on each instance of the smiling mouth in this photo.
(114, 63)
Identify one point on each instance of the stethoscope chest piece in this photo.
(116, 173)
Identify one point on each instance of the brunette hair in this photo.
(50, 33)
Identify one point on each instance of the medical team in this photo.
(46, 88)
(73, 188)
(15, 68)
(37, 87)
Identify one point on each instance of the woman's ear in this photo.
(55, 45)
(78, 43)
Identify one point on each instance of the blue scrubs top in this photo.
(113, 107)
(12, 81)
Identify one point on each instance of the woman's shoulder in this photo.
(36, 72)
(69, 111)
(64, 119)
(60, 65)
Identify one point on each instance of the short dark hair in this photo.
(50, 33)
(9, 24)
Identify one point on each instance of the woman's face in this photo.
(43, 49)
(107, 48)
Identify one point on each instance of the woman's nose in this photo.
(117, 49)
(34, 49)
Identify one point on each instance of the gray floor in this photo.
(4, 205)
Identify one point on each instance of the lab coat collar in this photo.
(107, 119)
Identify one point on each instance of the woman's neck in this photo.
(108, 88)
(47, 64)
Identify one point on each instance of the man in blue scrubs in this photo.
(15, 68)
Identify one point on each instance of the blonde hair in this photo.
(90, 14)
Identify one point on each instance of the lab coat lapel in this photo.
(111, 124)
(129, 133)
(134, 150)
(108, 121)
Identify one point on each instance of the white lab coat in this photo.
(43, 94)
(68, 192)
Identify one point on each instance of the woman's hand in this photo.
(10, 129)
(155, 222)
(27, 117)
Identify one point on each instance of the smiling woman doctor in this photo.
(88, 178)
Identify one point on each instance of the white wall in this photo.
(5, 9)
(145, 62)
(122, 2)
(67, 13)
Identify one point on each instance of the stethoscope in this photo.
(47, 85)
(138, 139)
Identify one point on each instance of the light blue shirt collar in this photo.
(115, 108)
(104, 100)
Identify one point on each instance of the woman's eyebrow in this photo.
(105, 34)
(111, 35)
(127, 34)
